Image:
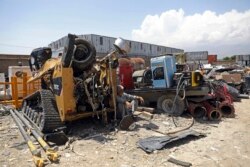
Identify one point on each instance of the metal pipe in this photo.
(51, 154)
(36, 154)
(30, 121)
(227, 109)
(197, 110)
(243, 96)
(213, 113)
(113, 87)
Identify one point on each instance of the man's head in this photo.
(120, 90)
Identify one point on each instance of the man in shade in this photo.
(126, 103)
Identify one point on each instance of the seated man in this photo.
(126, 103)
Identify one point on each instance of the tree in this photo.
(226, 58)
(233, 58)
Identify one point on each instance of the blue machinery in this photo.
(163, 69)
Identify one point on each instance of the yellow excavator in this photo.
(73, 86)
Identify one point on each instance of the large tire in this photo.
(80, 52)
(165, 104)
(84, 55)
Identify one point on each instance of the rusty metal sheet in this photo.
(151, 144)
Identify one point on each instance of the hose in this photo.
(174, 131)
(184, 94)
(177, 93)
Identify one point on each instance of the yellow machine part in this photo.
(63, 85)
(49, 65)
(196, 78)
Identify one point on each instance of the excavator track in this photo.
(40, 107)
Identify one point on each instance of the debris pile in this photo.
(218, 103)
(234, 75)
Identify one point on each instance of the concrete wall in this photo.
(7, 60)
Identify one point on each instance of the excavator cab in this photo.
(38, 57)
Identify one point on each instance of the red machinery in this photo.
(212, 112)
(197, 110)
(126, 68)
(125, 73)
(226, 100)
(220, 103)
(212, 58)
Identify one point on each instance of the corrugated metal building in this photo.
(199, 56)
(243, 60)
(104, 45)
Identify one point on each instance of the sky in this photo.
(219, 26)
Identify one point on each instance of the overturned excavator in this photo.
(73, 86)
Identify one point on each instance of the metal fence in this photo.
(25, 89)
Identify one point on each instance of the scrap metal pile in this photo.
(77, 85)
(234, 75)
(218, 103)
(227, 84)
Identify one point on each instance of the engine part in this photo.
(142, 78)
(197, 110)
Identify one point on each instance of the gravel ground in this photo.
(225, 144)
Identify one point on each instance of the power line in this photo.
(19, 46)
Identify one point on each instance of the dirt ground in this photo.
(226, 143)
